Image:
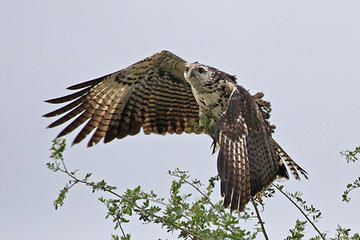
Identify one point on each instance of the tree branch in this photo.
(197, 189)
(260, 220)
(297, 206)
(76, 180)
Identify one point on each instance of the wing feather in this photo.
(95, 113)
(295, 169)
(68, 97)
(105, 121)
(90, 83)
(151, 94)
(71, 106)
(245, 162)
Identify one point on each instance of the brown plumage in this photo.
(151, 94)
(164, 94)
(249, 159)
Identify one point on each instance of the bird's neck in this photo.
(213, 102)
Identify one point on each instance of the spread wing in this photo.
(246, 160)
(151, 94)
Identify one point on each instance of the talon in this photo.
(258, 196)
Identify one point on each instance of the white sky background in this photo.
(303, 55)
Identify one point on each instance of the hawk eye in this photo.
(186, 69)
(201, 70)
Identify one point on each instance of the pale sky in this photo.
(304, 55)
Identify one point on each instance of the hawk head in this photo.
(205, 78)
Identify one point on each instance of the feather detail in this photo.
(151, 94)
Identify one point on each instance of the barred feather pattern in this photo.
(151, 94)
(295, 169)
(246, 161)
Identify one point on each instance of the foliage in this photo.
(193, 219)
(298, 231)
(351, 156)
(344, 234)
(206, 124)
(191, 215)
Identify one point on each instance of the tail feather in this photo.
(295, 169)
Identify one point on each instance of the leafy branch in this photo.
(300, 204)
(351, 156)
(192, 215)
(194, 219)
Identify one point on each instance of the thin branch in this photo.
(204, 195)
(303, 213)
(151, 214)
(119, 223)
(121, 228)
(197, 189)
(260, 220)
(132, 203)
(165, 205)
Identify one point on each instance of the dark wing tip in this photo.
(87, 83)
(54, 100)
(47, 115)
(69, 97)
(74, 143)
(52, 125)
(303, 172)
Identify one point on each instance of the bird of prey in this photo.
(165, 94)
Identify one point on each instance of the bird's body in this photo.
(164, 94)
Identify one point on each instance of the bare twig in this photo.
(260, 220)
(297, 206)
(121, 228)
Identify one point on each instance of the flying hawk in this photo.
(164, 94)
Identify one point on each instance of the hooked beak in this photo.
(189, 71)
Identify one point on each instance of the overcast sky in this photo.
(304, 55)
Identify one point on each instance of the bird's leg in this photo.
(258, 197)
